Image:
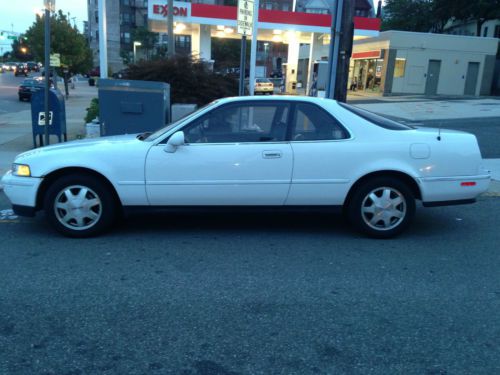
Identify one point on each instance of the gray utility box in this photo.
(57, 115)
(128, 107)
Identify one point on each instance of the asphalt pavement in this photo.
(253, 294)
(9, 85)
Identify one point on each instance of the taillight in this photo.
(468, 183)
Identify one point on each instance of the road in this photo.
(9, 101)
(253, 294)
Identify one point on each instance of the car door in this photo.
(236, 154)
(321, 150)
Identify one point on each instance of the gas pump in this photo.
(289, 78)
(283, 78)
(319, 78)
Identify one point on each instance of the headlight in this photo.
(22, 170)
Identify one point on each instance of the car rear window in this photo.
(376, 119)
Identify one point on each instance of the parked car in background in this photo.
(278, 152)
(9, 66)
(21, 69)
(121, 74)
(95, 72)
(33, 66)
(276, 74)
(29, 86)
(263, 86)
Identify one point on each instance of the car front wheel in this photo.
(382, 207)
(80, 206)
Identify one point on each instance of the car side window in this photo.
(246, 122)
(312, 123)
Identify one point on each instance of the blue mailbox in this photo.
(57, 115)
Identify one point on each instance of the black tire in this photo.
(391, 216)
(94, 213)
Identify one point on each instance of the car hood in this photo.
(80, 145)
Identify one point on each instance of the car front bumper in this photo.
(21, 191)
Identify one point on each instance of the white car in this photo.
(263, 86)
(247, 151)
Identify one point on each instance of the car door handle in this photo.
(271, 154)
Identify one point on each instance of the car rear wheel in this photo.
(80, 206)
(382, 208)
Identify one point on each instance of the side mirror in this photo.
(176, 140)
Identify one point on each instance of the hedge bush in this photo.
(191, 81)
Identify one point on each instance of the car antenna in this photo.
(439, 131)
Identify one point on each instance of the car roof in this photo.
(285, 98)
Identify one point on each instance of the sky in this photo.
(19, 15)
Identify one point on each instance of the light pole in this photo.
(49, 6)
(170, 28)
(103, 39)
(136, 44)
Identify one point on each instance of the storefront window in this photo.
(399, 68)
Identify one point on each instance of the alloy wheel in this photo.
(383, 208)
(77, 207)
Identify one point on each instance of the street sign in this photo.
(245, 16)
(41, 118)
(13, 37)
(55, 59)
(50, 5)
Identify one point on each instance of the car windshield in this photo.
(28, 82)
(153, 136)
(376, 119)
(262, 80)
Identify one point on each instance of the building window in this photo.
(97, 35)
(485, 31)
(399, 68)
(126, 18)
(497, 31)
(96, 14)
(182, 42)
(126, 2)
(125, 37)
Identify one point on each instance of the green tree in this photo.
(147, 40)
(479, 11)
(191, 81)
(441, 12)
(21, 50)
(227, 52)
(408, 15)
(65, 40)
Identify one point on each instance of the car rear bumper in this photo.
(21, 191)
(264, 89)
(453, 190)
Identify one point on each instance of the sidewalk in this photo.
(15, 128)
(16, 134)
(419, 108)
